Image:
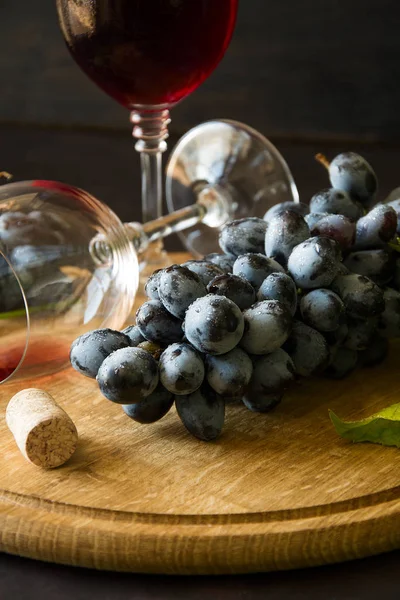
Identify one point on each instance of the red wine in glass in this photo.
(148, 52)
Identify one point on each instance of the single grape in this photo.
(322, 309)
(155, 349)
(338, 228)
(336, 338)
(240, 291)
(223, 261)
(393, 200)
(262, 402)
(178, 288)
(285, 231)
(360, 333)
(376, 352)
(272, 375)
(336, 202)
(267, 327)
(342, 364)
(128, 375)
(308, 349)
(229, 374)
(351, 173)
(297, 207)
(389, 320)
(378, 265)
(157, 325)
(89, 350)
(313, 218)
(376, 229)
(243, 236)
(214, 324)
(255, 268)
(134, 335)
(202, 413)
(181, 369)
(314, 263)
(152, 408)
(152, 285)
(279, 286)
(206, 271)
(361, 297)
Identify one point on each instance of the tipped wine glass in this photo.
(148, 55)
(68, 264)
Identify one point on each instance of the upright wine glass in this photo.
(148, 55)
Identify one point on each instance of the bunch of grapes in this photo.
(309, 289)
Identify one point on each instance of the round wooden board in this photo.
(276, 491)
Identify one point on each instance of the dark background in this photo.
(310, 74)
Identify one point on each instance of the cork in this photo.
(44, 433)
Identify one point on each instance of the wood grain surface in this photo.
(295, 69)
(276, 491)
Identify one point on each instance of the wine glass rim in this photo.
(27, 316)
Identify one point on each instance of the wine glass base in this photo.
(244, 164)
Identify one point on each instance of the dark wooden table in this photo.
(105, 164)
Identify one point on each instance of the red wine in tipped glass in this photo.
(147, 52)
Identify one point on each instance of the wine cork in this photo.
(44, 432)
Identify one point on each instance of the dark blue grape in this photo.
(342, 364)
(285, 231)
(178, 288)
(376, 229)
(376, 352)
(361, 297)
(229, 374)
(202, 413)
(128, 375)
(389, 320)
(314, 263)
(272, 375)
(90, 349)
(255, 268)
(152, 285)
(134, 335)
(351, 173)
(336, 338)
(360, 333)
(240, 291)
(181, 369)
(338, 228)
(279, 286)
(206, 271)
(297, 207)
(393, 200)
(308, 349)
(243, 236)
(313, 218)
(214, 324)
(267, 327)
(336, 202)
(157, 325)
(322, 309)
(152, 408)
(223, 261)
(378, 265)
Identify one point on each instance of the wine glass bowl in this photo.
(230, 159)
(55, 283)
(148, 55)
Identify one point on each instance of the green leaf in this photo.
(381, 428)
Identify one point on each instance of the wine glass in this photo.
(148, 55)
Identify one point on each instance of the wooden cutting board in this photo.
(276, 491)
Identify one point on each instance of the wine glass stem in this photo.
(150, 128)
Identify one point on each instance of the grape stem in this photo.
(321, 158)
